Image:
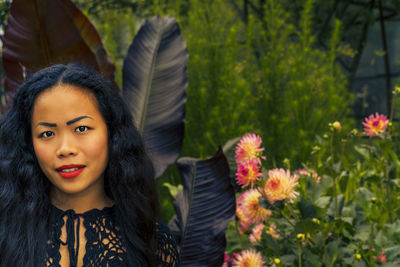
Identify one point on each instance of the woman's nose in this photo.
(66, 147)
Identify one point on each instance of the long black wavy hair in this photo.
(24, 189)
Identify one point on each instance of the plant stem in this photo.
(388, 194)
(371, 238)
(335, 197)
(313, 191)
(299, 252)
(387, 199)
(293, 213)
(287, 218)
(334, 177)
(325, 254)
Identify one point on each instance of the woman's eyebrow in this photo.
(68, 122)
(78, 119)
(47, 124)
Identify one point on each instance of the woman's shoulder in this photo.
(167, 249)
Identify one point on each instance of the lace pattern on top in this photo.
(167, 254)
(103, 245)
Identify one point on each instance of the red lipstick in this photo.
(70, 171)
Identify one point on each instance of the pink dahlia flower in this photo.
(244, 221)
(272, 231)
(256, 233)
(375, 125)
(248, 149)
(248, 258)
(280, 185)
(251, 207)
(247, 173)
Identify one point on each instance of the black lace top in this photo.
(102, 246)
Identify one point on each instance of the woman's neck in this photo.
(92, 198)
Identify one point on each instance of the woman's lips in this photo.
(70, 171)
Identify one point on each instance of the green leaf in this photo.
(363, 233)
(336, 167)
(364, 197)
(340, 202)
(307, 209)
(380, 239)
(389, 264)
(332, 250)
(323, 187)
(393, 251)
(235, 242)
(323, 202)
(360, 263)
(311, 259)
(306, 226)
(363, 151)
(393, 228)
(348, 220)
(270, 243)
(173, 190)
(288, 260)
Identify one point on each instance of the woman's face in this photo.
(70, 140)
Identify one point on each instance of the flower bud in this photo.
(315, 220)
(301, 236)
(337, 126)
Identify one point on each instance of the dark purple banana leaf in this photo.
(204, 209)
(40, 33)
(154, 84)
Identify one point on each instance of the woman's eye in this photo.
(46, 134)
(82, 129)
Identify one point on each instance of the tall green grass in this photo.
(266, 75)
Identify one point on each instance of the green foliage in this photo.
(221, 104)
(264, 76)
(300, 87)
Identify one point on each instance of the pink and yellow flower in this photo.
(375, 125)
(255, 235)
(251, 207)
(243, 220)
(248, 258)
(280, 185)
(248, 149)
(247, 173)
(272, 231)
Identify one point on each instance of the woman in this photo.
(76, 187)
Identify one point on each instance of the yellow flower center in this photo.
(273, 184)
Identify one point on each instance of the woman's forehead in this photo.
(64, 102)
